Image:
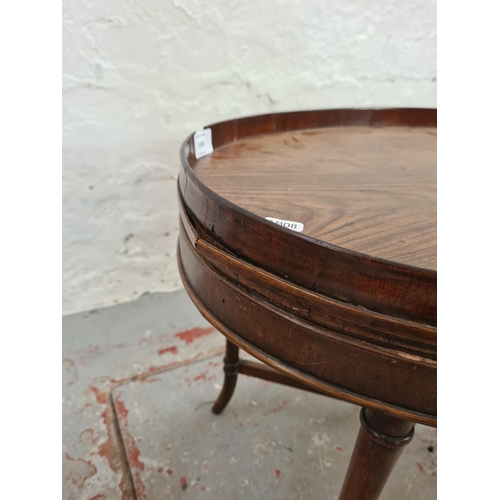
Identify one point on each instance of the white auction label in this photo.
(203, 143)
(290, 224)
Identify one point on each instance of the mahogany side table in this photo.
(308, 239)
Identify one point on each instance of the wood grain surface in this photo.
(368, 189)
(348, 307)
(399, 289)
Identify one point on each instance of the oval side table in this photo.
(308, 239)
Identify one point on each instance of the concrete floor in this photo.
(138, 381)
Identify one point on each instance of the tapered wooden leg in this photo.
(379, 444)
(231, 362)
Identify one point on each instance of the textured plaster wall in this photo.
(139, 76)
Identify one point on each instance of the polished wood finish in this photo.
(265, 372)
(381, 378)
(348, 307)
(380, 442)
(369, 189)
(389, 288)
(231, 366)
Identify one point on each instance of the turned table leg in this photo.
(379, 444)
(231, 362)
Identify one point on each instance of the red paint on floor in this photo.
(133, 452)
(152, 370)
(80, 470)
(172, 350)
(420, 467)
(277, 472)
(69, 366)
(88, 435)
(118, 381)
(277, 408)
(183, 480)
(131, 448)
(101, 397)
(145, 374)
(109, 449)
(201, 376)
(152, 379)
(106, 449)
(195, 333)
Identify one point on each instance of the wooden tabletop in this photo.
(368, 189)
(347, 306)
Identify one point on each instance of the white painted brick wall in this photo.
(139, 76)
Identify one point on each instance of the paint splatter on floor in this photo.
(191, 335)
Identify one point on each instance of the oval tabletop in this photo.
(324, 223)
